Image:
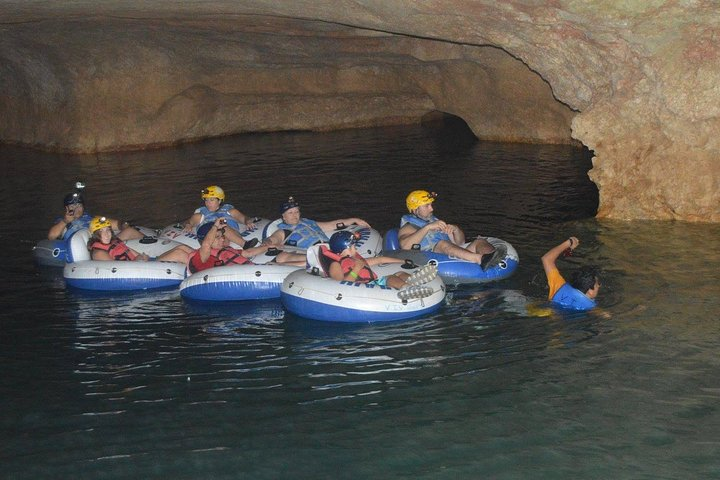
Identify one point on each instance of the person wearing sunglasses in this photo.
(344, 263)
(75, 219)
(584, 285)
(214, 208)
(300, 232)
(105, 245)
(421, 229)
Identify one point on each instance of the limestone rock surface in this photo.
(637, 82)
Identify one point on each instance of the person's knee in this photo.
(443, 246)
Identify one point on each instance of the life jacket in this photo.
(217, 258)
(80, 223)
(228, 255)
(304, 234)
(222, 212)
(365, 274)
(569, 297)
(427, 244)
(116, 249)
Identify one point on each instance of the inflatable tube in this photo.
(116, 275)
(50, 253)
(457, 271)
(88, 274)
(369, 245)
(236, 282)
(175, 232)
(311, 295)
(55, 253)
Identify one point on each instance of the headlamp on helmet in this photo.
(213, 191)
(418, 198)
(98, 223)
(73, 199)
(291, 203)
(342, 240)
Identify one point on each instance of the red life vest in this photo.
(217, 258)
(116, 249)
(365, 274)
(228, 255)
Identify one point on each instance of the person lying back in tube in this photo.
(302, 232)
(75, 218)
(214, 208)
(215, 249)
(421, 229)
(346, 264)
(104, 245)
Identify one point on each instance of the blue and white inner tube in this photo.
(176, 233)
(236, 282)
(455, 271)
(311, 294)
(114, 275)
(50, 253)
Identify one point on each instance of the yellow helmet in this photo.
(213, 191)
(418, 198)
(98, 223)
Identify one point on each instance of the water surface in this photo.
(146, 385)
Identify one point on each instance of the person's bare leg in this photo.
(481, 246)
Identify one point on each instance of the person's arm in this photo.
(336, 271)
(457, 236)
(206, 246)
(115, 224)
(276, 239)
(57, 230)
(241, 218)
(192, 222)
(548, 260)
(381, 260)
(100, 255)
(410, 235)
(554, 279)
(331, 225)
(140, 257)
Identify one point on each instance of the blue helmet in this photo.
(342, 240)
(291, 203)
(203, 230)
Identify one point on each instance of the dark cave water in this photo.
(145, 385)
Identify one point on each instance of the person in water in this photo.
(104, 245)
(75, 219)
(584, 285)
(293, 230)
(346, 264)
(215, 249)
(214, 208)
(421, 229)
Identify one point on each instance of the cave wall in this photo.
(86, 85)
(637, 82)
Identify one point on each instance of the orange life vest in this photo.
(116, 249)
(365, 274)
